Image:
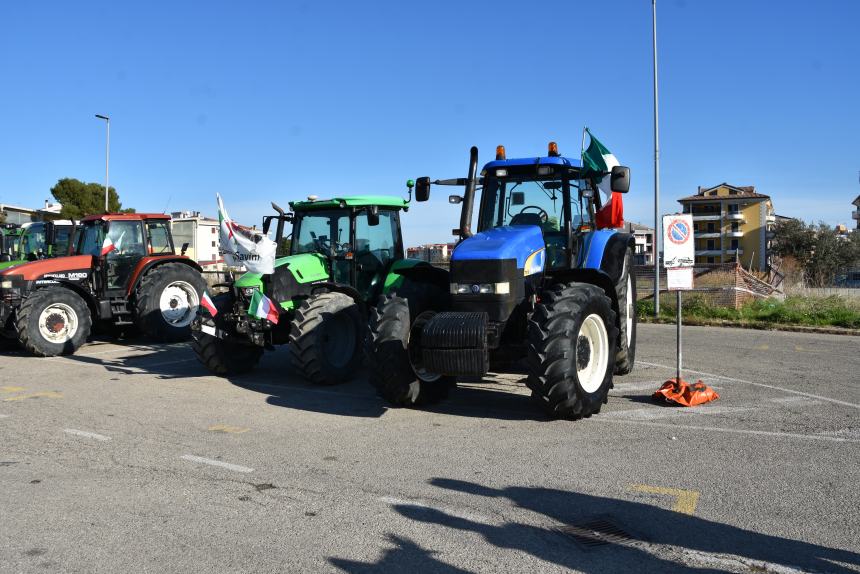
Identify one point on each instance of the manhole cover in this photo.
(597, 532)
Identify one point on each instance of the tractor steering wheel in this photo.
(541, 212)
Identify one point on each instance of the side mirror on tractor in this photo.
(373, 215)
(422, 189)
(620, 179)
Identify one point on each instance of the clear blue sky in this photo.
(266, 101)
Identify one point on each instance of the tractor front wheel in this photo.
(224, 357)
(396, 370)
(326, 338)
(627, 319)
(53, 322)
(166, 301)
(572, 345)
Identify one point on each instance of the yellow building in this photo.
(731, 223)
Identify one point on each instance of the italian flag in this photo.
(262, 307)
(597, 161)
(208, 304)
(107, 246)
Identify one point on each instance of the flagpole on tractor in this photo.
(657, 232)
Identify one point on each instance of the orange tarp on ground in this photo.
(685, 394)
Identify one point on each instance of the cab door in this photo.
(374, 250)
(122, 249)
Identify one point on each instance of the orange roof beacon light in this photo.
(553, 149)
(500, 152)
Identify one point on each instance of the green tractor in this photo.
(344, 254)
(35, 240)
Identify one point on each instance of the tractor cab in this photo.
(121, 241)
(359, 236)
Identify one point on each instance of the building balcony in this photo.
(771, 218)
(738, 251)
(735, 217)
(708, 252)
(734, 233)
(706, 217)
(856, 214)
(708, 235)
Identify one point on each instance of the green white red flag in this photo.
(597, 162)
(262, 307)
(208, 304)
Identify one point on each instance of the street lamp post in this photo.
(657, 229)
(107, 159)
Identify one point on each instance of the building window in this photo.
(734, 208)
(710, 259)
(710, 244)
(735, 226)
(734, 243)
(710, 227)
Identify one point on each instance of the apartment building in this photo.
(731, 223)
(644, 247)
(855, 215)
(431, 252)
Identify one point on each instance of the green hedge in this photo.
(831, 311)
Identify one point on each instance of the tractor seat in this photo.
(527, 219)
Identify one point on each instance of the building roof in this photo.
(743, 192)
(856, 201)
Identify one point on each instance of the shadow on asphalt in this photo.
(406, 555)
(651, 523)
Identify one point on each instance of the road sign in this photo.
(679, 279)
(678, 246)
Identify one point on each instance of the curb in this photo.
(758, 326)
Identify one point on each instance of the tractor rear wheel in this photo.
(326, 338)
(166, 301)
(572, 344)
(627, 319)
(53, 322)
(224, 357)
(395, 369)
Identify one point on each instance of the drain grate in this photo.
(597, 532)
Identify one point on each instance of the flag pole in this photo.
(657, 230)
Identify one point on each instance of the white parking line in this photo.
(86, 434)
(825, 438)
(213, 462)
(3, 416)
(774, 387)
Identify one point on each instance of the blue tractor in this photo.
(537, 282)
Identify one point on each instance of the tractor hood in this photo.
(522, 243)
(305, 268)
(56, 267)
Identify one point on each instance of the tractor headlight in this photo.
(6, 284)
(480, 288)
(248, 291)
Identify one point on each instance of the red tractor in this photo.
(123, 271)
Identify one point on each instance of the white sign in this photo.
(679, 279)
(678, 244)
(245, 246)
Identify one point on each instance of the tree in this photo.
(819, 250)
(80, 199)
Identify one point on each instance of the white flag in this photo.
(243, 246)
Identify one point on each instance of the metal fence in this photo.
(722, 285)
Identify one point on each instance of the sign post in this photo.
(678, 257)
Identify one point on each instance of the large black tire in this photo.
(224, 357)
(182, 287)
(391, 371)
(572, 344)
(66, 326)
(627, 318)
(326, 338)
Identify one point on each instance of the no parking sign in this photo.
(679, 251)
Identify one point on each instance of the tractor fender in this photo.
(605, 250)
(146, 264)
(345, 289)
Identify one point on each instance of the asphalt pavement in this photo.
(130, 457)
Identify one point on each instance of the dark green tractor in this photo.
(343, 255)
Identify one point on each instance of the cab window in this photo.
(159, 238)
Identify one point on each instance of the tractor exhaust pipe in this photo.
(469, 195)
